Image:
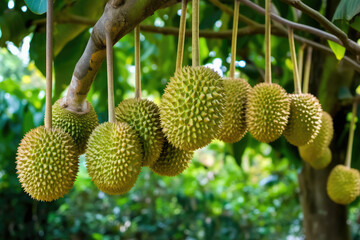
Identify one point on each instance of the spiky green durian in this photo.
(78, 124)
(316, 149)
(113, 157)
(305, 119)
(143, 115)
(343, 185)
(47, 163)
(267, 111)
(192, 107)
(172, 161)
(323, 161)
(234, 127)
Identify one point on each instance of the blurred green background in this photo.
(246, 190)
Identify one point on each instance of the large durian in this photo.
(47, 163)
(192, 107)
(316, 149)
(343, 185)
(323, 161)
(234, 123)
(172, 161)
(78, 124)
(113, 157)
(143, 115)
(305, 119)
(267, 111)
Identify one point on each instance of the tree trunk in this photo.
(323, 219)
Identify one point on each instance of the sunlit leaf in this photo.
(338, 50)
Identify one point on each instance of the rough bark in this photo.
(119, 18)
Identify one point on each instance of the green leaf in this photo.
(338, 50)
(36, 6)
(346, 10)
(355, 23)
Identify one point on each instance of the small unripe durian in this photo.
(113, 157)
(343, 185)
(143, 115)
(234, 127)
(267, 112)
(305, 119)
(316, 149)
(47, 163)
(192, 107)
(322, 162)
(78, 125)
(172, 161)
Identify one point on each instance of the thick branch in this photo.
(119, 17)
(328, 25)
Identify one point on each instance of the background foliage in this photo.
(246, 190)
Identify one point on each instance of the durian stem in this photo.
(234, 38)
(351, 136)
(307, 70)
(110, 77)
(137, 63)
(182, 30)
(49, 57)
(297, 84)
(301, 62)
(267, 41)
(195, 34)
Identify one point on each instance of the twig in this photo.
(267, 42)
(230, 11)
(110, 77)
(181, 39)
(137, 63)
(49, 58)
(195, 34)
(351, 136)
(307, 70)
(297, 85)
(301, 61)
(234, 38)
(328, 25)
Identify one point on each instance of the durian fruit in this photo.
(343, 185)
(113, 157)
(305, 119)
(192, 107)
(316, 149)
(322, 162)
(47, 163)
(267, 111)
(78, 125)
(143, 115)
(234, 127)
(172, 161)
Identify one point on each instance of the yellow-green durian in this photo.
(343, 185)
(316, 149)
(172, 161)
(143, 115)
(233, 127)
(47, 163)
(78, 124)
(192, 107)
(322, 162)
(267, 111)
(113, 157)
(305, 119)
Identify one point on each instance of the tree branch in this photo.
(119, 17)
(328, 25)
